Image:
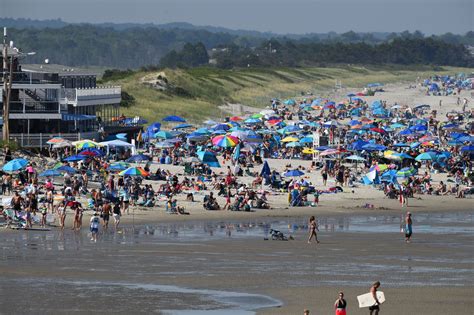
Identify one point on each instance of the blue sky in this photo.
(278, 16)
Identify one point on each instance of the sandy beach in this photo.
(226, 251)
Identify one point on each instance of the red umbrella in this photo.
(378, 130)
(236, 118)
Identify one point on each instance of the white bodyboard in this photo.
(367, 300)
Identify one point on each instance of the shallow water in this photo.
(59, 269)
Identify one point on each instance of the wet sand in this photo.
(63, 272)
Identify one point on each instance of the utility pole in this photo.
(6, 89)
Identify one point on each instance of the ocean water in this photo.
(181, 268)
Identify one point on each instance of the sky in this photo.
(277, 16)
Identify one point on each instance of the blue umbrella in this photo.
(74, 158)
(50, 173)
(208, 158)
(221, 127)
(138, 158)
(183, 126)
(174, 119)
(66, 169)
(306, 140)
(467, 148)
(252, 121)
(426, 156)
(15, 165)
(289, 102)
(401, 145)
(373, 147)
(293, 173)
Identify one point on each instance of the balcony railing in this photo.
(33, 78)
(92, 96)
(31, 107)
(38, 140)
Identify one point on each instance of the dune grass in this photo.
(207, 88)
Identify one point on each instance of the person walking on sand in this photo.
(408, 227)
(340, 304)
(312, 229)
(375, 309)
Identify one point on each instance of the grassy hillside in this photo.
(196, 93)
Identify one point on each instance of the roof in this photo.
(59, 69)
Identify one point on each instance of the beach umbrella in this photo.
(466, 138)
(378, 130)
(309, 151)
(330, 152)
(403, 156)
(118, 166)
(236, 118)
(293, 173)
(92, 152)
(163, 135)
(374, 147)
(134, 171)
(406, 172)
(173, 118)
(426, 156)
(467, 148)
(293, 144)
(289, 139)
(66, 169)
(252, 121)
(63, 144)
(397, 126)
(15, 165)
(221, 127)
(225, 141)
(355, 158)
(84, 144)
(208, 158)
(182, 126)
(254, 139)
(210, 122)
(50, 173)
(55, 140)
(164, 145)
(289, 102)
(306, 140)
(401, 145)
(139, 158)
(75, 158)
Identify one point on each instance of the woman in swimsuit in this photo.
(312, 229)
(340, 304)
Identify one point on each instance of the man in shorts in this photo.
(94, 226)
(106, 211)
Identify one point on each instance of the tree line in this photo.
(133, 47)
(404, 51)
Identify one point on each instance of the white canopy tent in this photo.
(118, 144)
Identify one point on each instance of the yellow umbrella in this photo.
(289, 139)
(309, 151)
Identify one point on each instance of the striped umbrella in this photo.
(134, 171)
(225, 141)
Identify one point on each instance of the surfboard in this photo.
(367, 300)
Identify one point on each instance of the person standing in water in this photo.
(408, 227)
(340, 304)
(375, 309)
(312, 229)
(94, 226)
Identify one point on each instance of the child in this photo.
(94, 226)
